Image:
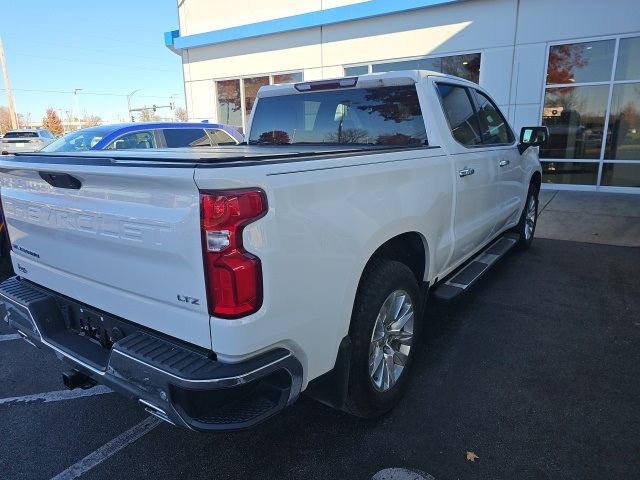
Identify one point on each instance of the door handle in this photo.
(504, 163)
(466, 171)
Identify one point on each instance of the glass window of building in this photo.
(287, 78)
(628, 67)
(623, 139)
(355, 71)
(464, 66)
(229, 102)
(251, 87)
(235, 97)
(420, 64)
(574, 173)
(592, 109)
(580, 62)
(621, 175)
(575, 118)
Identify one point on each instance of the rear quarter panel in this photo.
(325, 219)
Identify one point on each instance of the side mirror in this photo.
(532, 137)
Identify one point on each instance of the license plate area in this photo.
(101, 328)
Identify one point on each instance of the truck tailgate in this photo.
(127, 241)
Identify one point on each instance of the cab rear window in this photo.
(361, 116)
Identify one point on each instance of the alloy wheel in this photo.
(530, 219)
(391, 340)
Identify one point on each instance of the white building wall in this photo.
(548, 20)
(199, 16)
(451, 28)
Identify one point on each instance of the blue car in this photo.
(127, 136)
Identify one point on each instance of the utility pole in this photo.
(7, 86)
(173, 106)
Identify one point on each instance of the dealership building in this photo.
(573, 65)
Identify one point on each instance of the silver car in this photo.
(25, 140)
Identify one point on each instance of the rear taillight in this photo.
(233, 276)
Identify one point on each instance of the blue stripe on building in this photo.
(330, 16)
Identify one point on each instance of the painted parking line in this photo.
(109, 449)
(9, 336)
(401, 474)
(57, 396)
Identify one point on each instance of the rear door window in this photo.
(495, 129)
(457, 107)
(186, 137)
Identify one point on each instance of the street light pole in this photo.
(173, 107)
(75, 94)
(129, 101)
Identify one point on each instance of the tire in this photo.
(371, 392)
(5, 247)
(526, 227)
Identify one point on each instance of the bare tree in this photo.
(148, 115)
(91, 121)
(181, 114)
(348, 135)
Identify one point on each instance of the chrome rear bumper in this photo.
(182, 385)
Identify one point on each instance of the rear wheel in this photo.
(526, 228)
(384, 330)
(5, 247)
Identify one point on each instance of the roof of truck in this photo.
(398, 77)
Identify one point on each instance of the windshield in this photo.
(366, 116)
(78, 141)
(21, 135)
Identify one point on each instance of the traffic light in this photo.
(154, 107)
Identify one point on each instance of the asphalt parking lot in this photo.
(536, 371)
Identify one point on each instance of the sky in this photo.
(106, 48)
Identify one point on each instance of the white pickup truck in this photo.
(215, 285)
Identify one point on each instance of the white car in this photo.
(215, 285)
(25, 140)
